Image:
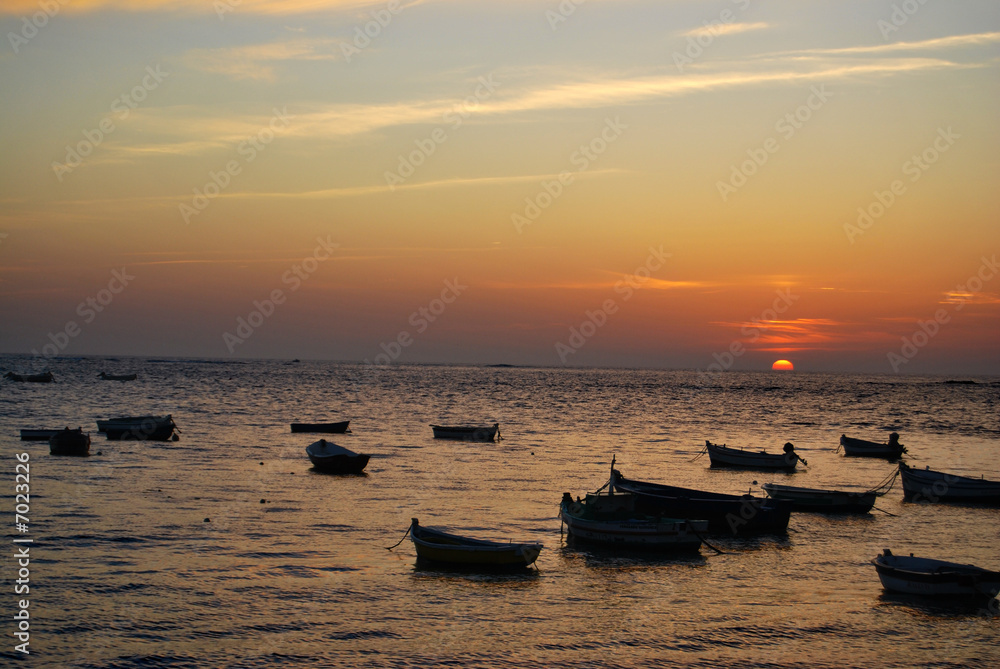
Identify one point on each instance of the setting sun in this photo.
(783, 365)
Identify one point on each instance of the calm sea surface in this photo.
(225, 549)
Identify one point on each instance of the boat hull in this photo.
(739, 515)
(935, 578)
(860, 448)
(463, 433)
(927, 485)
(326, 428)
(30, 378)
(723, 456)
(70, 442)
(340, 464)
(626, 529)
(453, 551)
(37, 435)
(822, 501)
(139, 428)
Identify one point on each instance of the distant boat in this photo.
(451, 550)
(118, 377)
(331, 458)
(729, 514)
(925, 576)
(872, 449)
(142, 428)
(466, 433)
(724, 456)
(330, 428)
(610, 519)
(37, 435)
(45, 377)
(822, 501)
(927, 485)
(70, 442)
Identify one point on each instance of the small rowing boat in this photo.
(328, 428)
(872, 449)
(467, 433)
(724, 456)
(822, 501)
(927, 485)
(442, 548)
(70, 442)
(925, 576)
(610, 519)
(37, 435)
(142, 428)
(333, 459)
(45, 377)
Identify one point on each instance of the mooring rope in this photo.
(403, 539)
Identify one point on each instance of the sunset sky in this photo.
(664, 183)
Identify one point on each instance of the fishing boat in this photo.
(610, 519)
(118, 377)
(328, 428)
(925, 576)
(724, 456)
(142, 428)
(467, 433)
(927, 485)
(70, 442)
(740, 515)
(872, 449)
(823, 501)
(45, 377)
(451, 550)
(333, 459)
(37, 435)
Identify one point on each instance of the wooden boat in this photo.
(466, 433)
(927, 485)
(329, 428)
(333, 459)
(872, 449)
(45, 377)
(822, 501)
(118, 377)
(610, 519)
(70, 442)
(451, 550)
(142, 428)
(724, 456)
(730, 514)
(37, 435)
(925, 576)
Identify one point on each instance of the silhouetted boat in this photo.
(927, 485)
(610, 519)
(872, 449)
(925, 576)
(118, 377)
(37, 435)
(70, 442)
(329, 428)
(724, 456)
(451, 550)
(45, 377)
(331, 458)
(467, 433)
(732, 514)
(142, 428)
(822, 501)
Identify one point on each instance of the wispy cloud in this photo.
(195, 6)
(256, 61)
(717, 30)
(937, 43)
